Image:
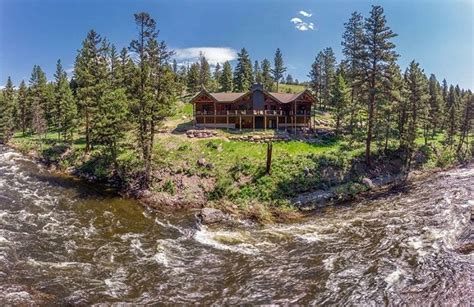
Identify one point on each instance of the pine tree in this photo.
(267, 79)
(7, 106)
(204, 71)
(353, 49)
(289, 79)
(417, 102)
(90, 75)
(37, 100)
(243, 74)
(278, 67)
(257, 73)
(329, 72)
(379, 51)
(23, 108)
(175, 66)
(65, 106)
(60, 78)
(340, 99)
(193, 78)
(226, 78)
(451, 108)
(155, 90)
(466, 124)
(316, 77)
(112, 117)
(217, 72)
(392, 103)
(436, 104)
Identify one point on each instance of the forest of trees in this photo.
(112, 92)
(373, 100)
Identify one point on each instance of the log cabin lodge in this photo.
(255, 109)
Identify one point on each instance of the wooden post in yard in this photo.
(268, 169)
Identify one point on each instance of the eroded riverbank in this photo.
(63, 242)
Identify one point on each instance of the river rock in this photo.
(368, 183)
(211, 216)
(466, 248)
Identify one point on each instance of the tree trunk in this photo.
(269, 158)
(88, 140)
(370, 123)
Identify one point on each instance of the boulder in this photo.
(466, 248)
(211, 216)
(368, 183)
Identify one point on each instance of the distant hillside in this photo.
(290, 88)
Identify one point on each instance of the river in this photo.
(66, 242)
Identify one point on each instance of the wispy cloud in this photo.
(302, 25)
(213, 55)
(305, 14)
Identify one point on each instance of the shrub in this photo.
(169, 187)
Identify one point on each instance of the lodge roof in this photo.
(231, 96)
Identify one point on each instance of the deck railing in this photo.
(252, 112)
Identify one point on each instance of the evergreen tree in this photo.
(436, 104)
(22, 107)
(243, 75)
(7, 106)
(155, 90)
(289, 79)
(217, 72)
(175, 66)
(112, 117)
(417, 101)
(204, 71)
(316, 77)
(278, 67)
(466, 124)
(340, 99)
(90, 75)
(451, 108)
(329, 72)
(257, 73)
(65, 105)
(353, 49)
(193, 78)
(267, 80)
(226, 78)
(392, 102)
(378, 51)
(37, 100)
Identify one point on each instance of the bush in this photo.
(169, 187)
(221, 189)
(446, 157)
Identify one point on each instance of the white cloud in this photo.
(296, 20)
(213, 55)
(304, 26)
(305, 14)
(301, 24)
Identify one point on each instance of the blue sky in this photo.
(437, 33)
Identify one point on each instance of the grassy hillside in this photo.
(290, 88)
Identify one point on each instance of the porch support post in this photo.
(227, 119)
(264, 121)
(253, 122)
(215, 112)
(277, 121)
(240, 122)
(294, 115)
